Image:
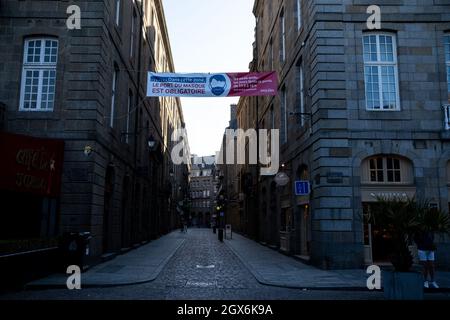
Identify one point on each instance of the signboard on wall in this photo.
(212, 85)
(31, 165)
(302, 188)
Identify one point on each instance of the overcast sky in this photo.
(209, 36)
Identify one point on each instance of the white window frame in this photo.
(299, 15)
(302, 95)
(447, 59)
(113, 98)
(405, 170)
(40, 66)
(133, 32)
(117, 18)
(283, 36)
(380, 64)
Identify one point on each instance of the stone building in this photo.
(203, 189)
(86, 88)
(361, 113)
(229, 179)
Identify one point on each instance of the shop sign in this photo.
(31, 165)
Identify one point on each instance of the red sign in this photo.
(32, 165)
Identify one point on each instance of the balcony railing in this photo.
(447, 116)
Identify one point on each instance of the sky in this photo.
(209, 36)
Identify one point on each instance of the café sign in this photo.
(31, 165)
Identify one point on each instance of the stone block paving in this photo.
(203, 268)
(205, 262)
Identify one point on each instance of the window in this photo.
(381, 72)
(283, 37)
(133, 33)
(447, 59)
(387, 169)
(39, 75)
(113, 98)
(130, 103)
(283, 116)
(271, 54)
(117, 12)
(301, 101)
(272, 118)
(299, 14)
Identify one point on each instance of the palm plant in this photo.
(403, 218)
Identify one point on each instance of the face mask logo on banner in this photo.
(218, 84)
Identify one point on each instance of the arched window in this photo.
(387, 169)
(37, 91)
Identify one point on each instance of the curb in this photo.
(155, 274)
(261, 280)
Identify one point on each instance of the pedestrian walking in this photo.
(426, 251)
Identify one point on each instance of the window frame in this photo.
(283, 115)
(40, 67)
(302, 95)
(117, 17)
(379, 64)
(405, 170)
(447, 59)
(133, 33)
(283, 36)
(128, 120)
(113, 98)
(299, 15)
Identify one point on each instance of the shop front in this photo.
(30, 184)
(377, 242)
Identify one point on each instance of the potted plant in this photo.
(402, 219)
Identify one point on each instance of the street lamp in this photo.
(151, 143)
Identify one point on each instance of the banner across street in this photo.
(212, 85)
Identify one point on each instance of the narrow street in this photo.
(202, 268)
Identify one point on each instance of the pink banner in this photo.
(253, 84)
(212, 85)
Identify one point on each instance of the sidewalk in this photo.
(270, 267)
(141, 265)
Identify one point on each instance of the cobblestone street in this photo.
(203, 268)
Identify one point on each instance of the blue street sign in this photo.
(302, 188)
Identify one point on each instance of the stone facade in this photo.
(332, 137)
(203, 189)
(123, 192)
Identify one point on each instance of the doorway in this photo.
(376, 239)
(305, 234)
(108, 200)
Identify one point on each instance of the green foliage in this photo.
(402, 218)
